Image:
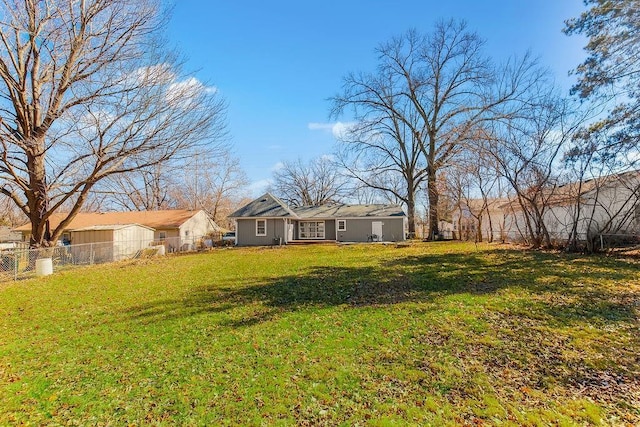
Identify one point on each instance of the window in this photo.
(261, 227)
(342, 225)
(162, 235)
(311, 229)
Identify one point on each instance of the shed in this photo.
(116, 242)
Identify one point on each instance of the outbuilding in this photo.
(110, 242)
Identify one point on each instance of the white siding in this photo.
(129, 240)
(195, 227)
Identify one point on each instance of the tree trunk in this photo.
(433, 205)
(490, 236)
(411, 215)
(37, 196)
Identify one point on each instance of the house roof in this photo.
(110, 227)
(349, 211)
(153, 219)
(269, 206)
(265, 206)
(476, 205)
(571, 192)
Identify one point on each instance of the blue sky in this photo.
(277, 62)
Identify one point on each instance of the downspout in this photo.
(235, 222)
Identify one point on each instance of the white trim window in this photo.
(261, 227)
(342, 225)
(162, 235)
(311, 229)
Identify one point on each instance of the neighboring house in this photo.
(8, 235)
(476, 217)
(269, 221)
(598, 206)
(9, 239)
(604, 205)
(179, 227)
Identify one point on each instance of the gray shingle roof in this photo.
(269, 205)
(349, 211)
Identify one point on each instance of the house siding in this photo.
(246, 232)
(359, 229)
(199, 225)
(330, 229)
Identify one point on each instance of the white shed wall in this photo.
(128, 240)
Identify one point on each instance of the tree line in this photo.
(439, 121)
(96, 113)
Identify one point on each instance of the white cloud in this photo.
(277, 166)
(183, 93)
(190, 85)
(259, 187)
(163, 74)
(154, 74)
(339, 130)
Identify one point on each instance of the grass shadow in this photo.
(418, 278)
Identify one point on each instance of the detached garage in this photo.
(117, 242)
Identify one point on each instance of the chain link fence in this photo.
(20, 262)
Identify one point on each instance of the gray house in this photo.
(269, 221)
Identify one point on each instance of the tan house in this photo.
(177, 227)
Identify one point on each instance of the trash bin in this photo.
(44, 266)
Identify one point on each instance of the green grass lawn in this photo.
(432, 334)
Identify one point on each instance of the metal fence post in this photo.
(15, 264)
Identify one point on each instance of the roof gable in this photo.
(266, 206)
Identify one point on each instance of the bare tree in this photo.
(527, 150)
(143, 189)
(86, 94)
(473, 183)
(431, 92)
(212, 181)
(309, 184)
(381, 152)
